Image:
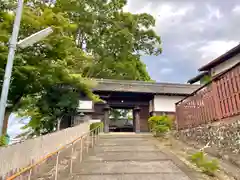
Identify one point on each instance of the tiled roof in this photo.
(144, 87)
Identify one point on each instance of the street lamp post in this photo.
(8, 70)
(12, 47)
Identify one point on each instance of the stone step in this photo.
(125, 135)
(123, 167)
(116, 156)
(124, 156)
(106, 149)
(124, 143)
(109, 136)
(155, 176)
(123, 139)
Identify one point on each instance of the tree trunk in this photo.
(59, 123)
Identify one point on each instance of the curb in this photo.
(191, 173)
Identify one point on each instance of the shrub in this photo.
(160, 129)
(160, 124)
(95, 125)
(3, 141)
(207, 166)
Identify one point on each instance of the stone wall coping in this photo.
(21, 155)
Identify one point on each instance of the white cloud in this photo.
(170, 16)
(166, 71)
(236, 9)
(187, 45)
(214, 12)
(213, 49)
(134, 8)
(192, 32)
(164, 60)
(167, 11)
(207, 20)
(166, 14)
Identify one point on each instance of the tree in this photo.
(120, 113)
(115, 39)
(91, 39)
(55, 60)
(49, 108)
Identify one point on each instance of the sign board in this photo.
(85, 105)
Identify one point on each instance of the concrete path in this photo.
(127, 157)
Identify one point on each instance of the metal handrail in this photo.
(96, 130)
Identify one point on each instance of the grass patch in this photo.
(208, 167)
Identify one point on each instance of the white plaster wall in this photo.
(166, 103)
(225, 65)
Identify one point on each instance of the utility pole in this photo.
(9, 66)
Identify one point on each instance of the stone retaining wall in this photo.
(17, 156)
(223, 138)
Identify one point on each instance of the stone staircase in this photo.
(128, 156)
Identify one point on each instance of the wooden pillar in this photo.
(137, 119)
(106, 118)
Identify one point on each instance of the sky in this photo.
(15, 124)
(193, 33)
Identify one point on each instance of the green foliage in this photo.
(160, 124)
(198, 157)
(130, 118)
(206, 79)
(116, 114)
(95, 125)
(91, 39)
(4, 140)
(207, 166)
(53, 104)
(49, 62)
(53, 61)
(115, 38)
(161, 128)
